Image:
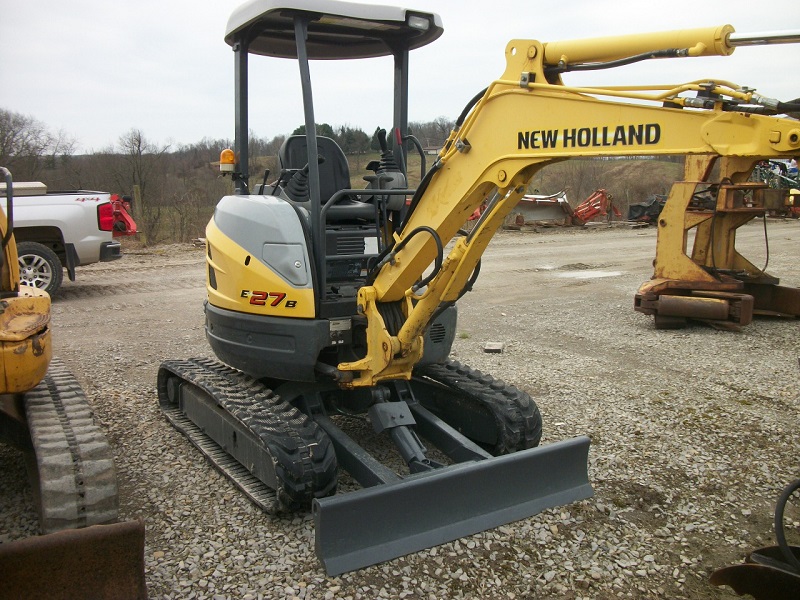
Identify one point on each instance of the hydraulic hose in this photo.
(413, 139)
(467, 288)
(423, 185)
(791, 106)
(388, 255)
(595, 66)
(437, 265)
(475, 99)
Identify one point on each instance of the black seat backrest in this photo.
(334, 173)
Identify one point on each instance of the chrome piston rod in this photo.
(764, 38)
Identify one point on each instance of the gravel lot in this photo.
(694, 432)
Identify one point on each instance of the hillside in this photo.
(629, 181)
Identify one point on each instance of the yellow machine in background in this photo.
(327, 303)
(43, 412)
(25, 349)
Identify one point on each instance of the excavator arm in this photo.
(529, 119)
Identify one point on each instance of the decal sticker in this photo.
(259, 298)
(643, 134)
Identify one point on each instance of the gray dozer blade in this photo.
(375, 524)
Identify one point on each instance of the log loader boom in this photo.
(328, 303)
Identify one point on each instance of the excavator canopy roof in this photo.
(336, 30)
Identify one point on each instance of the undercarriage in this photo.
(284, 449)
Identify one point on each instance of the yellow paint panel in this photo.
(245, 284)
(25, 348)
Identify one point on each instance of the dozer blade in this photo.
(104, 562)
(375, 524)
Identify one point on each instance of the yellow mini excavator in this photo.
(85, 553)
(329, 305)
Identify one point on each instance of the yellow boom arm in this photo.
(527, 120)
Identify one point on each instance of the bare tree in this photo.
(192, 189)
(27, 147)
(583, 177)
(443, 127)
(141, 163)
(432, 134)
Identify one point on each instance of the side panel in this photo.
(25, 344)
(258, 260)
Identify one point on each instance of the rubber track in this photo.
(77, 482)
(518, 421)
(293, 444)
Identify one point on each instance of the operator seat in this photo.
(334, 175)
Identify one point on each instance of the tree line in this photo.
(177, 186)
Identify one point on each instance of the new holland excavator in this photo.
(85, 552)
(330, 306)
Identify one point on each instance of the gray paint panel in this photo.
(269, 229)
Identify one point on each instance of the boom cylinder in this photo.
(709, 41)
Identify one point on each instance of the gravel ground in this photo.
(694, 432)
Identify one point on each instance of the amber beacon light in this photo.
(226, 161)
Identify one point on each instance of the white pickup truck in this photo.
(60, 230)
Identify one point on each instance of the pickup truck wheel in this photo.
(39, 267)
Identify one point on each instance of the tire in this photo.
(39, 267)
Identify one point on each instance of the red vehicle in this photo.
(594, 206)
(123, 221)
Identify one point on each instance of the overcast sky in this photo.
(96, 69)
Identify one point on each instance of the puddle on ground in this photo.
(589, 274)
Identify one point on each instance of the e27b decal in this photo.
(259, 298)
